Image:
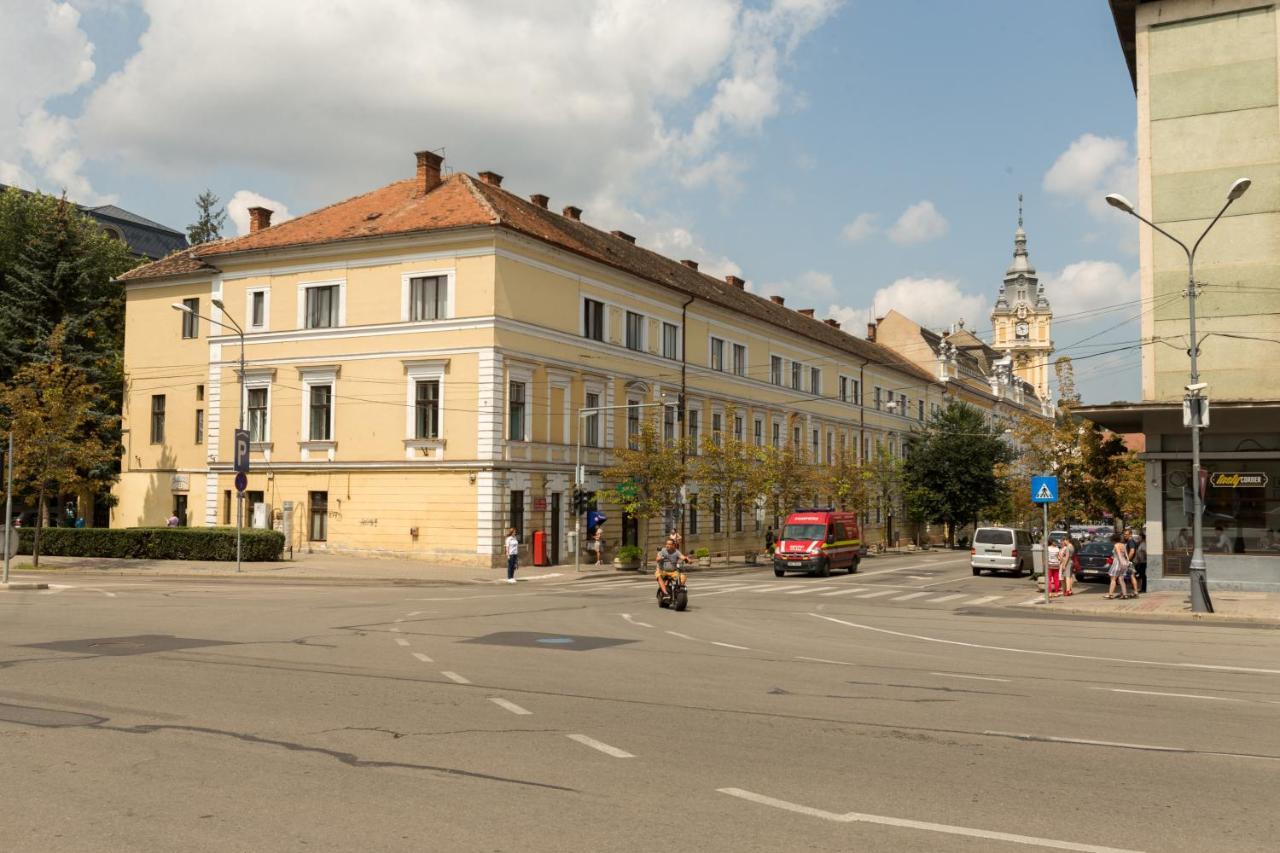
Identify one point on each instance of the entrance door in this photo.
(180, 509)
(555, 528)
(630, 529)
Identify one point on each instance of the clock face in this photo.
(1021, 329)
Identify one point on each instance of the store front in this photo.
(1240, 483)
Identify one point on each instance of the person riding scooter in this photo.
(669, 560)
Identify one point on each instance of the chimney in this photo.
(871, 331)
(735, 281)
(693, 265)
(808, 312)
(259, 218)
(493, 179)
(540, 200)
(429, 164)
(574, 213)
(835, 324)
(777, 300)
(623, 235)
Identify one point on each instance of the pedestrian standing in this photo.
(1131, 553)
(1067, 565)
(768, 540)
(597, 545)
(1140, 562)
(1052, 575)
(1119, 567)
(513, 554)
(172, 521)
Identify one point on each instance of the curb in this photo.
(1170, 618)
(22, 586)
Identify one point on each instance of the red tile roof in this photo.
(461, 201)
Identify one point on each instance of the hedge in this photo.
(155, 543)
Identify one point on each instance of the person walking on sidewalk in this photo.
(1131, 553)
(513, 554)
(1119, 567)
(1066, 565)
(768, 540)
(1140, 563)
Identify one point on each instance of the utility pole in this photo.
(8, 508)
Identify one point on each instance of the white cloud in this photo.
(43, 54)
(932, 302)
(807, 290)
(238, 209)
(1088, 286)
(919, 223)
(863, 226)
(1091, 167)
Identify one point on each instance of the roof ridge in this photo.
(471, 185)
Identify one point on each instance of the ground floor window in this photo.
(517, 512)
(1241, 510)
(226, 506)
(693, 515)
(715, 514)
(319, 527)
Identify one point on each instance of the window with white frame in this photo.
(426, 408)
(758, 434)
(670, 340)
(739, 360)
(797, 375)
(775, 369)
(831, 444)
(322, 304)
(517, 412)
(190, 322)
(425, 389)
(777, 435)
(633, 423)
(693, 416)
(857, 392)
(877, 397)
(669, 423)
(795, 438)
(716, 427)
(259, 308)
(738, 426)
(591, 421)
(258, 406)
(717, 354)
(815, 381)
(428, 297)
(593, 319)
(920, 410)
(320, 413)
(844, 389)
(635, 331)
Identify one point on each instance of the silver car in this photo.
(1001, 549)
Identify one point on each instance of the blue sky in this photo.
(848, 155)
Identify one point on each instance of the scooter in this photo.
(677, 595)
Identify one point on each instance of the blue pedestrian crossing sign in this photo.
(1044, 490)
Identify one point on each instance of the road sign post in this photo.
(1044, 491)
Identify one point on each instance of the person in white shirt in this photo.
(1053, 577)
(513, 554)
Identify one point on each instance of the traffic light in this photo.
(588, 500)
(577, 501)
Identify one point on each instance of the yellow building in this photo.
(416, 358)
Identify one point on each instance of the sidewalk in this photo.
(1229, 607)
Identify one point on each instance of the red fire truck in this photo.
(815, 541)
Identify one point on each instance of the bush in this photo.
(628, 553)
(702, 553)
(155, 543)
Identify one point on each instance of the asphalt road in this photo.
(909, 707)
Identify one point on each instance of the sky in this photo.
(851, 155)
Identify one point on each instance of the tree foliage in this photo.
(950, 470)
(60, 432)
(209, 219)
(728, 470)
(787, 480)
(646, 475)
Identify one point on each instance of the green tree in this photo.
(885, 481)
(846, 481)
(646, 475)
(950, 470)
(727, 470)
(786, 478)
(58, 429)
(209, 219)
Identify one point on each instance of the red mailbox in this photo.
(539, 548)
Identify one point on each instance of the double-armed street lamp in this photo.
(1197, 405)
(235, 327)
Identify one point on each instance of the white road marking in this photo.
(853, 590)
(627, 616)
(510, 706)
(730, 646)
(804, 590)
(894, 569)
(880, 592)
(543, 577)
(1174, 695)
(973, 677)
(947, 829)
(825, 660)
(416, 613)
(453, 676)
(771, 587)
(986, 599)
(394, 630)
(1214, 667)
(420, 656)
(603, 747)
(1086, 742)
(399, 621)
(681, 636)
(758, 588)
(401, 641)
(909, 596)
(951, 597)
(1039, 599)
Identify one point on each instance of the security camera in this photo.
(1197, 386)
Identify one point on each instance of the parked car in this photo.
(1093, 560)
(1001, 549)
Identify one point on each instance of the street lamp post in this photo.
(579, 476)
(1200, 600)
(235, 327)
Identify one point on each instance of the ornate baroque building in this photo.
(1022, 320)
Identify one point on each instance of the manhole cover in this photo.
(116, 646)
(532, 639)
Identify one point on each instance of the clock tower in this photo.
(1022, 320)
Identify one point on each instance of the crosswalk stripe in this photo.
(909, 596)
(853, 590)
(757, 588)
(947, 598)
(771, 587)
(879, 592)
(987, 600)
(808, 589)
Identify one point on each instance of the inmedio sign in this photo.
(1238, 480)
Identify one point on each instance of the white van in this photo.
(1001, 549)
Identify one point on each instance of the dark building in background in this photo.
(145, 239)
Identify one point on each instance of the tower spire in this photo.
(1019, 210)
